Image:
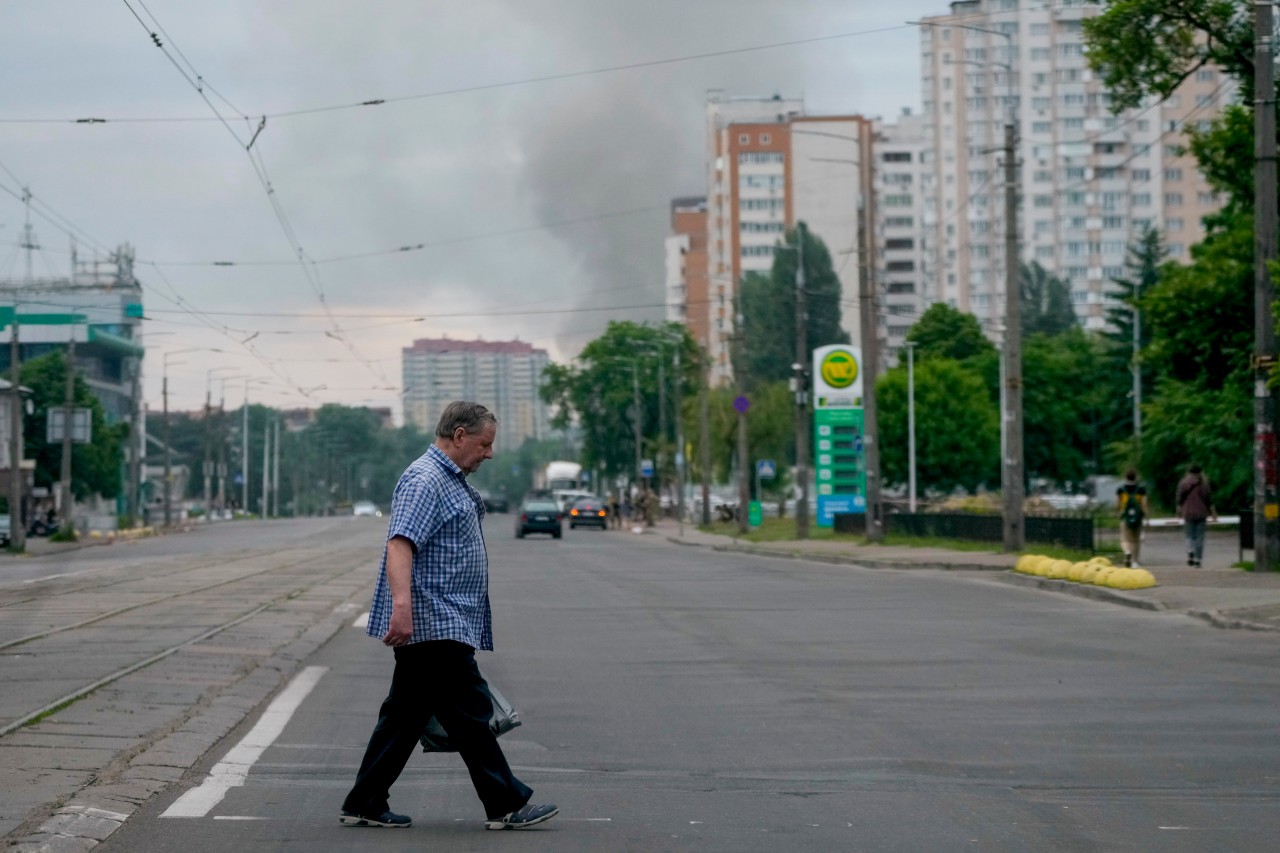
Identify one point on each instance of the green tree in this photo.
(95, 467)
(769, 308)
(944, 332)
(1046, 302)
(957, 427)
(598, 394)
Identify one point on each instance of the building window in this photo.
(1141, 174)
(899, 222)
(900, 243)
(765, 139)
(1142, 199)
(1173, 199)
(1173, 224)
(900, 287)
(900, 266)
(1173, 174)
(744, 139)
(897, 156)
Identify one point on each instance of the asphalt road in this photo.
(680, 699)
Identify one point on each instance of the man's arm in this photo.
(399, 575)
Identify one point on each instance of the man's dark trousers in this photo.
(439, 677)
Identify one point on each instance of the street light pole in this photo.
(802, 393)
(911, 425)
(1266, 479)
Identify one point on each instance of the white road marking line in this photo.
(1174, 827)
(236, 817)
(233, 769)
(362, 621)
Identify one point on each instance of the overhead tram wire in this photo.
(547, 78)
(259, 167)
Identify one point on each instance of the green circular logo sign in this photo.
(839, 369)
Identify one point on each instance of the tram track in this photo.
(340, 563)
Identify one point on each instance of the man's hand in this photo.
(400, 631)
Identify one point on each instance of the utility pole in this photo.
(205, 468)
(275, 471)
(1011, 479)
(704, 437)
(680, 460)
(168, 452)
(740, 374)
(135, 451)
(869, 326)
(802, 393)
(911, 426)
(638, 420)
(17, 529)
(1266, 500)
(266, 470)
(244, 454)
(68, 517)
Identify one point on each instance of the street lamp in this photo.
(168, 448)
(1011, 450)
(208, 439)
(244, 445)
(911, 425)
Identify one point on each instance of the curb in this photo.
(842, 560)
(1098, 593)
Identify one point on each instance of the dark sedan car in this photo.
(589, 512)
(538, 516)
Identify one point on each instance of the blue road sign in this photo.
(765, 469)
(646, 467)
(741, 404)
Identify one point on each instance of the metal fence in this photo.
(1069, 531)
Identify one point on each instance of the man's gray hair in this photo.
(472, 417)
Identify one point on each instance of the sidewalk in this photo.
(1223, 596)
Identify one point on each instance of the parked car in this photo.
(366, 508)
(4, 530)
(589, 512)
(538, 516)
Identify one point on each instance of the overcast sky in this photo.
(538, 200)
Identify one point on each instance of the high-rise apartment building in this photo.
(503, 375)
(769, 167)
(686, 267)
(902, 229)
(1091, 182)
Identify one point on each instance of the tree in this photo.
(769, 308)
(598, 393)
(944, 332)
(1046, 302)
(1148, 47)
(957, 427)
(95, 467)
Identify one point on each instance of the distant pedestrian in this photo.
(1131, 503)
(431, 606)
(1195, 505)
(627, 508)
(614, 521)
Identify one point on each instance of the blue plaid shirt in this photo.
(440, 513)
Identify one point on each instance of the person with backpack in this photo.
(1195, 504)
(1131, 503)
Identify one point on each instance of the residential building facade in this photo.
(1091, 182)
(771, 166)
(503, 375)
(902, 229)
(686, 267)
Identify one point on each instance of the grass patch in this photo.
(773, 530)
(64, 534)
(1243, 565)
(44, 715)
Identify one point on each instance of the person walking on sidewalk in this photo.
(1131, 503)
(1195, 505)
(431, 607)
